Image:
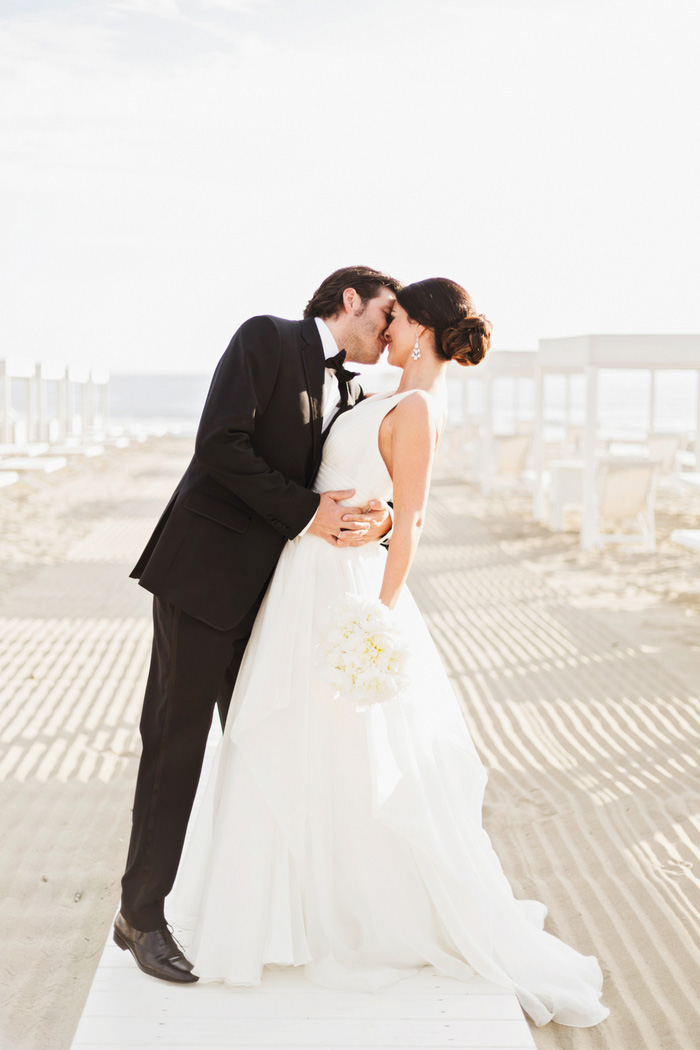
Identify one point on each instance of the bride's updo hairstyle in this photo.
(461, 334)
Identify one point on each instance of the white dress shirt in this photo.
(331, 393)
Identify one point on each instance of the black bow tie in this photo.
(344, 375)
(336, 363)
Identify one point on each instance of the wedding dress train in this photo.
(351, 841)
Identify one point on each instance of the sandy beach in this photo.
(578, 675)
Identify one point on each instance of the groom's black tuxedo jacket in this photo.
(246, 491)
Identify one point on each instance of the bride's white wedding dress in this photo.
(350, 841)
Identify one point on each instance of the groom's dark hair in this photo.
(327, 300)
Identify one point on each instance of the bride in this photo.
(347, 838)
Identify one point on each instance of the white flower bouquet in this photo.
(363, 653)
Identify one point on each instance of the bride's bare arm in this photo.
(414, 430)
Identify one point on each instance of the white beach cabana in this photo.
(494, 403)
(87, 407)
(505, 432)
(588, 356)
(16, 427)
(57, 402)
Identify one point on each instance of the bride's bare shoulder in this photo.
(414, 426)
(419, 410)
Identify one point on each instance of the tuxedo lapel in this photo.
(314, 369)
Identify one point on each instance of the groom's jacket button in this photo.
(216, 510)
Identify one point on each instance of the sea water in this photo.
(623, 398)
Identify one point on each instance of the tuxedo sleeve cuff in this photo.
(308, 525)
(387, 535)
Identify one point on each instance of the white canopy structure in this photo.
(58, 401)
(495, 415)
(11, 370)
(588, 355)
(499, 365)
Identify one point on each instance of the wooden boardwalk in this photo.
(127, 1009)
(590, 734)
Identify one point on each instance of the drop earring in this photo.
(415, 353)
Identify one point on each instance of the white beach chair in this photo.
(88, 451)
(687, 538)
(565, 490)
(574, 439)
(32, 448)
(552, 451)
(664, 449)
(449, 452)
(625, 490)
(7, 478)
(510, 454)
(35, 464)
(468, 464)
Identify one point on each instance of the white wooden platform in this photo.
(36, 464)
(687, 538)
(77, 450)
(31, 448)
(125, 1009)
(689, 478)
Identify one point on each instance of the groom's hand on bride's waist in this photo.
(327, 522)
(378, 519)
(343, 526)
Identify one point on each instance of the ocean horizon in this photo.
(177, 399)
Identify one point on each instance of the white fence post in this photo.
(63, 418)
(589, 522)
(87, 406)
(18, 431)
(41, 428)
(52, 417)
(32, 407)
(99, 379)
(5, 406)
(538, 498)
(77, 377)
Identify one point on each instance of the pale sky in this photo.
(171, 167)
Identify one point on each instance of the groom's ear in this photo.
(350, 299)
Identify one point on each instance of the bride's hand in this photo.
(377, 520)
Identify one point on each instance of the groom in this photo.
(275, 392)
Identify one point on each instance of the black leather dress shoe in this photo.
(156, 952)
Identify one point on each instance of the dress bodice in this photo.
(351, 456)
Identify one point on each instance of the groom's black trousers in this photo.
(193, 669)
